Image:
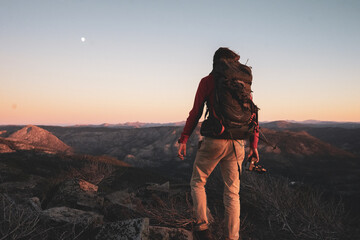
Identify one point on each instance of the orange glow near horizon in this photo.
(48, 114)
(70, 107)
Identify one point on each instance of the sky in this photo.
(71, 62)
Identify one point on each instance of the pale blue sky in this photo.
(143, 60)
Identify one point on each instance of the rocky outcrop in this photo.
(4, 148)
(12, 145)
(39, 137)
(66, 206)
(77, 193)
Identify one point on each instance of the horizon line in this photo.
(179, 123)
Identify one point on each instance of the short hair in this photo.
(224, 53)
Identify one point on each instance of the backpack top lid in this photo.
(232, 69)
(232, 76)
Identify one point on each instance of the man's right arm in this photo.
(194, 116)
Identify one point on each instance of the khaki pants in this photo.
(211, 152)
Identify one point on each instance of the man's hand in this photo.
(182, 151)
(254, 154)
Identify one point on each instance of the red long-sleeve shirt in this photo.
(205, 93)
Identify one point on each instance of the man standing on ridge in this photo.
(232, 118)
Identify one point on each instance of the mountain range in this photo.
(315, 151)
(131, 125)
(326, 157)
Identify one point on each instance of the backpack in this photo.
(235, 114)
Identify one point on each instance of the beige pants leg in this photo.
(212, 152)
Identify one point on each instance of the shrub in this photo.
(300, 211)
(16, 222)
(174, 211)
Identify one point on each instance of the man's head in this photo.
(225, 53)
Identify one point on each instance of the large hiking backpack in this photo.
(235, 112)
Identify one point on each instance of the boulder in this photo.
(87, 187)
(165, 187)
(133, 229)
(77, 193)
(70, 215)
(121, 198)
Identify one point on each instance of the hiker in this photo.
(224, 132)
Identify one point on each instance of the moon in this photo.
(83, 39)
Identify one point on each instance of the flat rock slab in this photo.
(71, 215)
